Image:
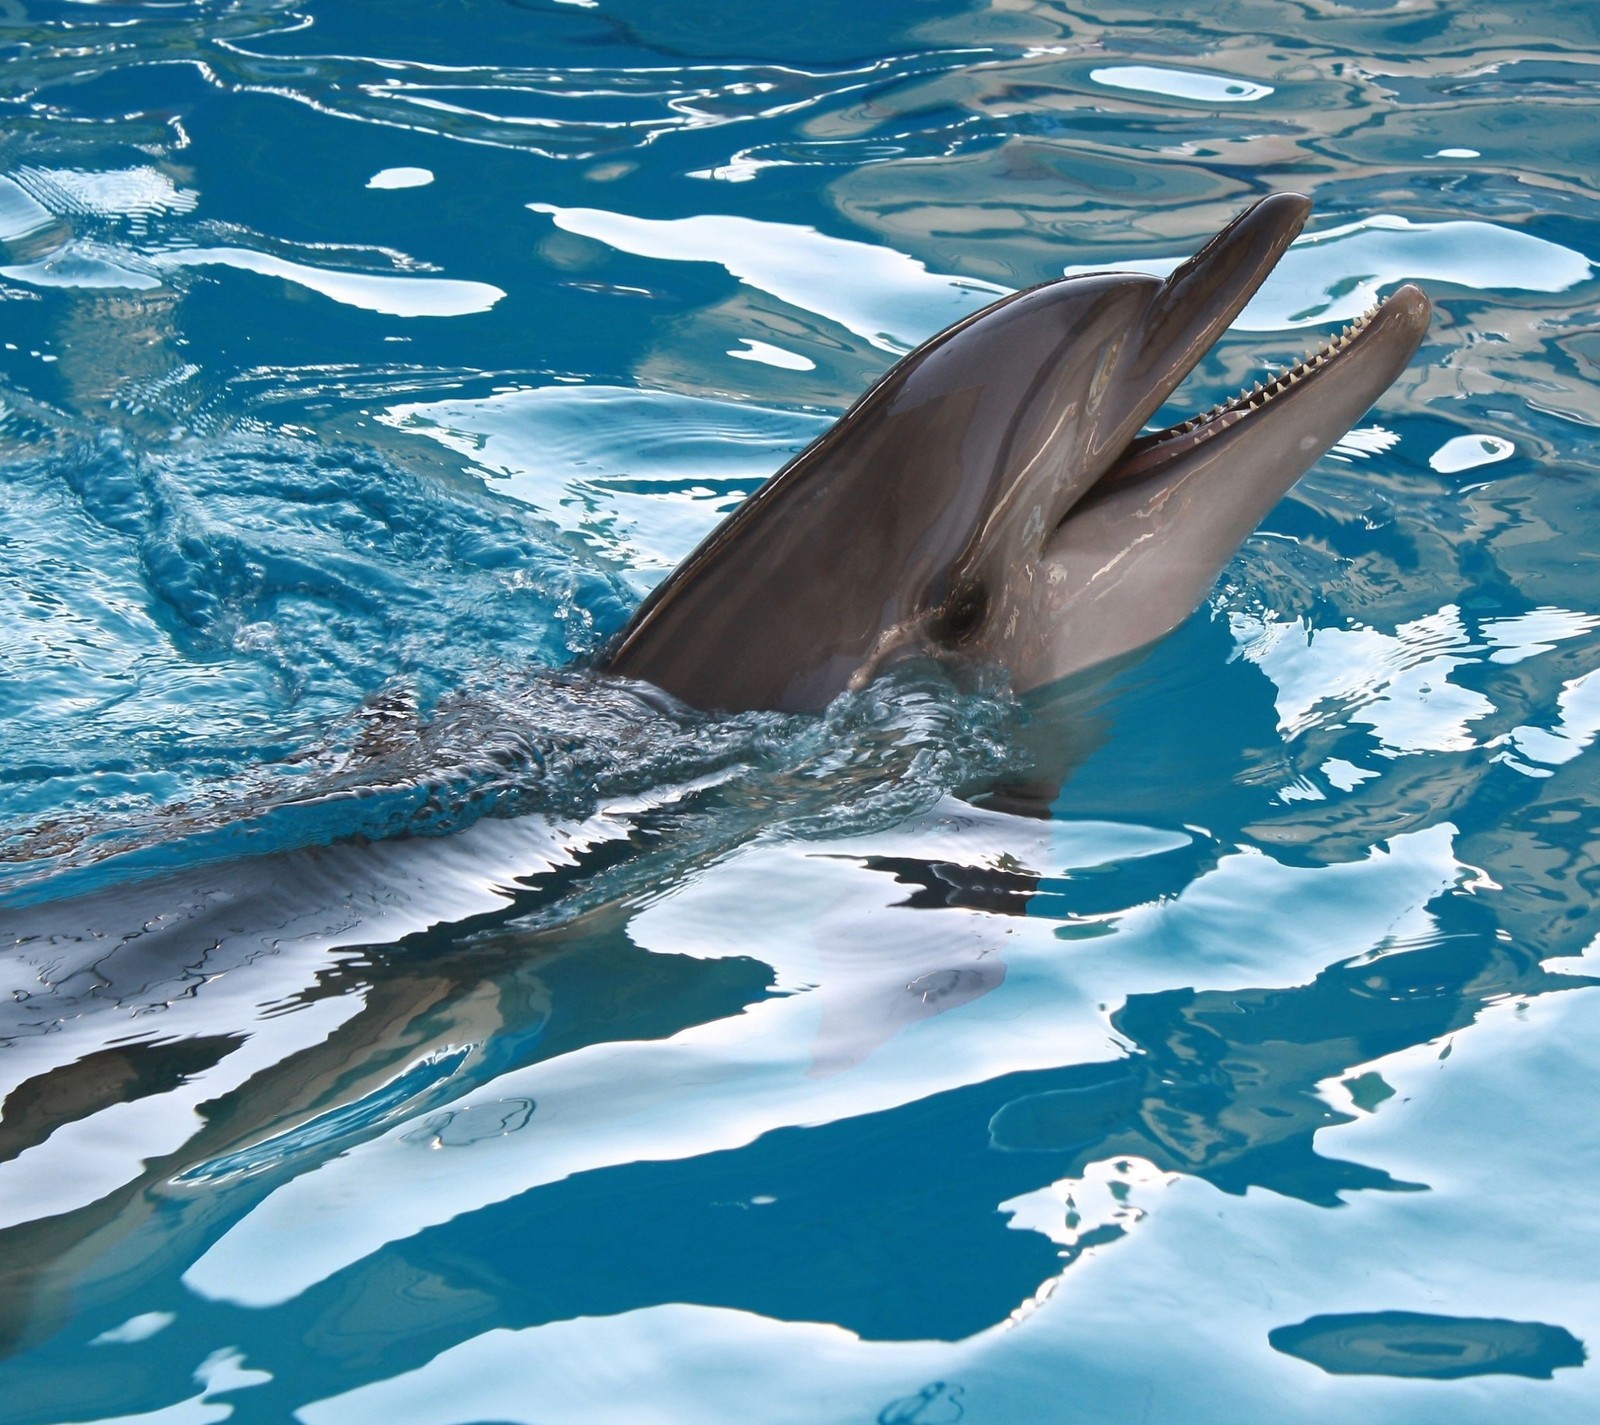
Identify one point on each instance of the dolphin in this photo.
(996, 498)
(993, 499)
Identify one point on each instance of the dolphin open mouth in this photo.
(1153, 451)
(996, 498)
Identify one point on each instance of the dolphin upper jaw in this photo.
(996, 497)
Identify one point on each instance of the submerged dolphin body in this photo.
(993, 499)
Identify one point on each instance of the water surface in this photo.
(402, 1024)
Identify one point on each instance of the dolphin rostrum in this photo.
(994, 498)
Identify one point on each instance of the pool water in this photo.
(401, 1023)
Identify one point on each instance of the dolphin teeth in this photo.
(1260, 392)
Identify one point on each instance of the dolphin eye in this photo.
(962, 614)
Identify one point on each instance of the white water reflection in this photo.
(401, 178)
(889, 299)
(86, 265)
(389, 296)
(1468, 452)
(1193, 84)
(20, 213)
(138, 193)
(643, 476)
(1399, 683)
(135, 1329)
(1073, 1209)
(894, 301)
(273, 925)
(770, 355)
(1363, 443)
(1336, 274)
(1576, 725)
(33, 198)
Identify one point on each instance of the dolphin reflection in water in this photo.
(994, 500)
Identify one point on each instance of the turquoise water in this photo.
(400, 1024)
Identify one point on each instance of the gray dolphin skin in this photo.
(994, 497)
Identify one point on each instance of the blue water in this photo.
(401, 1024)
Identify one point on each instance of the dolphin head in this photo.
(994, 498)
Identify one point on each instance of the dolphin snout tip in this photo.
(1411, 304)
(1285, 205)
(1403, 320)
